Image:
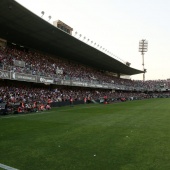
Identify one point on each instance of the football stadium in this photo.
(65, 106)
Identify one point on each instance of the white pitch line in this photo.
(7, 167)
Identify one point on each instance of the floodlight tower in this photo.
(143, 47)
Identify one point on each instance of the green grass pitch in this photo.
(123, 136)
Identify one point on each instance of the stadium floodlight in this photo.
(84, 38)
(75, 33)
(127, 63)
(143, 47)
(91, 42)
(80, 36)
(42, 12)
(49, 17)
(88, 40)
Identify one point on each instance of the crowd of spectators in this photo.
(26, 96)
(40, 64)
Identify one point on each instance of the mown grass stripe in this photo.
(20, 115)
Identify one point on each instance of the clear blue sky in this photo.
(118, 26)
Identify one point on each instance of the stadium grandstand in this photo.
(42, 66)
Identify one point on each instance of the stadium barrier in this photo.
(65, 103)
(49, 80)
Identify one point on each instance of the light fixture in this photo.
(49, 18)
(42, 12)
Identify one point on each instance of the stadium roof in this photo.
(21, 26)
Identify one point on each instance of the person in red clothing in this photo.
(48, 107)
(23, 106)
(20, 109)
(105, 99)
(41, 107)
(71, 101)
(49, 101)
(85, 100)
(35, 104)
